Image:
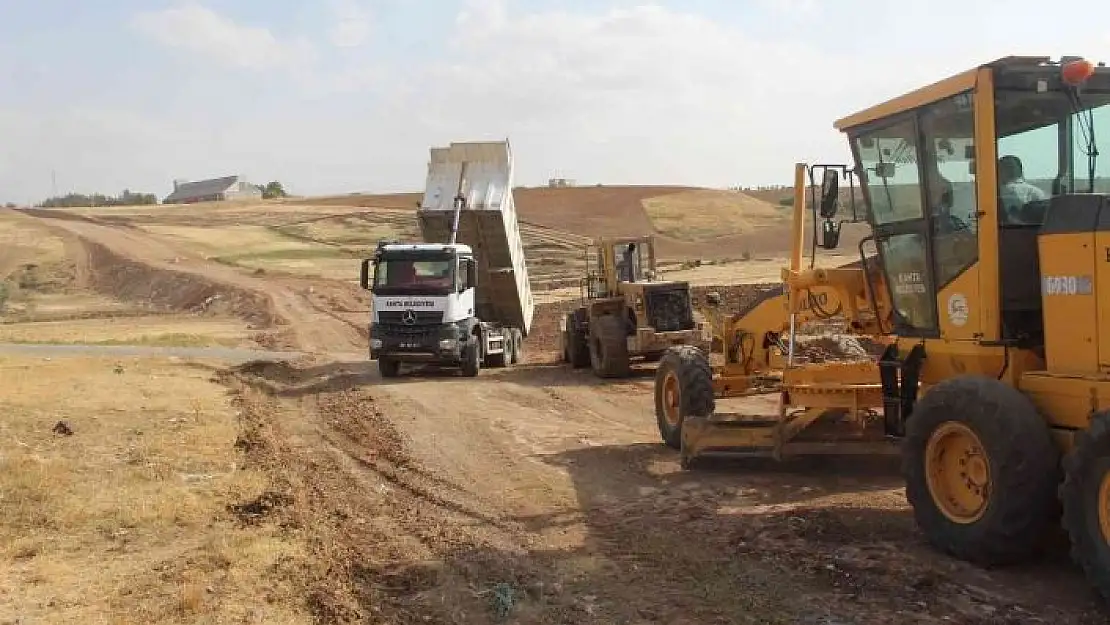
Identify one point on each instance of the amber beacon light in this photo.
(1077, 72)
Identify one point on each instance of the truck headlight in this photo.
(376, 343)
(447, 343)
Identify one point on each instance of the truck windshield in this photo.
(414, 275)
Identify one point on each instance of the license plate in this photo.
(410, 345)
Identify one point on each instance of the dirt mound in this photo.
(132, 281)
(591, 211)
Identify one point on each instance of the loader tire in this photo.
(578, 349)
(981, 471)
(609, 348)
(1085, 495)
(683, 388)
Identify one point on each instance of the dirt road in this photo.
(227, 354)
(539, 495)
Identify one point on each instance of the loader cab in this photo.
(611, 262)
(958, 178)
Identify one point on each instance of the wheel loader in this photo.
(989, 211)
(627, 312)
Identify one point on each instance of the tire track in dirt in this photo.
(136, 265)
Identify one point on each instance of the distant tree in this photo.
(126, 198)
(10, 205)
(273, 189)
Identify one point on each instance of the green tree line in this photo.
(127, 198)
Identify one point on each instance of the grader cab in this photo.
(989, 211)
(627, 312)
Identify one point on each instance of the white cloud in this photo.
(795, 8)
(352, 27)
(641, 94)
(200, 30)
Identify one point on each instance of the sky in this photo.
(339, 96)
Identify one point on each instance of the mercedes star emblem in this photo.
(408, 317)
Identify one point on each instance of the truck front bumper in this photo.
(438, 344)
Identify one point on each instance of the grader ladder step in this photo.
(899, 381)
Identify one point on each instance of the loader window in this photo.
(630, 261)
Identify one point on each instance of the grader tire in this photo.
(981, 471)
(1085, 495)
(609, 348)
(683, 387)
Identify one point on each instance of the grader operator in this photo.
(992, 283)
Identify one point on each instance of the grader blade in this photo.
(829, 409)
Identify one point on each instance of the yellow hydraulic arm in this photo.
(749, 340)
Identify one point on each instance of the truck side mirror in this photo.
(471, 274)
(713, 298)
(830, 190)
(364, 275)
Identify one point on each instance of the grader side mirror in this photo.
(830, 235)
(713, 298)
(830, 189)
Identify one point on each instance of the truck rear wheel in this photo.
(502, 359)
(683, 387)
(981, 470)
(518, 345)
(1085, 494)
(609, 348)
(389, 368)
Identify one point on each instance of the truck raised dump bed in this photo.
(461, 297)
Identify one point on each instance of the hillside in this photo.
(688, 222)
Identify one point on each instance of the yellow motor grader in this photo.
(990, 214)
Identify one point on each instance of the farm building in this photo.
(214, 190)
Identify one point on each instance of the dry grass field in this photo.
(124, 500)
(124, 496)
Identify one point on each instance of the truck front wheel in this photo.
(389, 368)
(472, 359)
